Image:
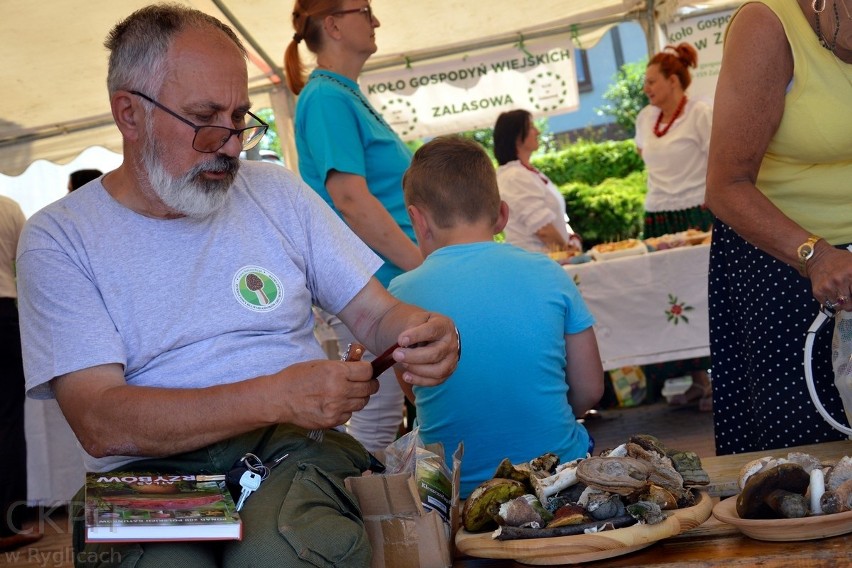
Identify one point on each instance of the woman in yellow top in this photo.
(778, 180)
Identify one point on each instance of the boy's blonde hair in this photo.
(454, 179)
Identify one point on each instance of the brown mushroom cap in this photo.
(839, 474)
(614, 475)
(753, 467)
(569, 514)
(751, 503)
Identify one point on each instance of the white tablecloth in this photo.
(54, 465)
(648, 308)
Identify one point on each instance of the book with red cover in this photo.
(130, 506)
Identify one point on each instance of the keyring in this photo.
(254, 464)
(830, 305)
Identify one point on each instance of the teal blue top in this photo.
(338, 129)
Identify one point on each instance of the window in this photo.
(584, 78)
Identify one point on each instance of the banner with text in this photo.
(465, 92)
(706, 34)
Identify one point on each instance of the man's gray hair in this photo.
(138, 45)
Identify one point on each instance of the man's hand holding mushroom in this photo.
(429, 345)
(429, 351)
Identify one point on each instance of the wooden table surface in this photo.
(714, 543)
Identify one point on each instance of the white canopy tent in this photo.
(53, 63)
(54, 104)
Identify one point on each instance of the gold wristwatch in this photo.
(805, 252)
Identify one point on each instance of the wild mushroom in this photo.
(688, 465)
(507, 470)
(617, 452)
(549, 486)
(807, 461)
(839, 500)
(615, 475)
(587, 495)
(602, 506)
(519, 512)
(653, 457)
(661, 496)
(545, 463)
(483, 503)
(816, 489)
(839, 474)
(650, 443)
(662, 471)
(773, 492)
(646, 512)
(568, 515)
(754, 466)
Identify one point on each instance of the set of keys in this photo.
(248, 473)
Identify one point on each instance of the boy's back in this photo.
(508, 397)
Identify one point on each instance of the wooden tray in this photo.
(808, 528)
(584, 547)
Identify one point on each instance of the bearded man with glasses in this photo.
(167, 307)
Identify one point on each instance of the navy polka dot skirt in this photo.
(760, 312)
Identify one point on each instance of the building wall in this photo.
(626, 45)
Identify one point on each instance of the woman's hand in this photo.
(830, 271)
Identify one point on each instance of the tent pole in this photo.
(649, 26)
(277, 74)
(283, 105)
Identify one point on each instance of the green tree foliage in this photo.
(271, 140)
(626, 96)
(590, 162)
(485, 136)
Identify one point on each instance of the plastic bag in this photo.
(431, 474)
(841, 359)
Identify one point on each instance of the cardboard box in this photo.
(402, 532)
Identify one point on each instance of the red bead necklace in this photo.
(677, 112)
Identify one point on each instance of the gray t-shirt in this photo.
(184, 303)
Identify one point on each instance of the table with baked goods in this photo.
(649, 308)
(714, 543)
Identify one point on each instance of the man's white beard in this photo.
(190, 194)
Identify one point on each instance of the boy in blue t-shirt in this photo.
(531, 362)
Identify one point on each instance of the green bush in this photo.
(610, 211)
(590, 162)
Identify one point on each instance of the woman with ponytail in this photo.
(352, 158)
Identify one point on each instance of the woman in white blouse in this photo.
(537, 219)
(673, 138)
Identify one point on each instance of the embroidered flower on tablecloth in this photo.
(676, 310)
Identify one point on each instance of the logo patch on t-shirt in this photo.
(257, 289)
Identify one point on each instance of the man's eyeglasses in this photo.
(366, 10)
(209, 139)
